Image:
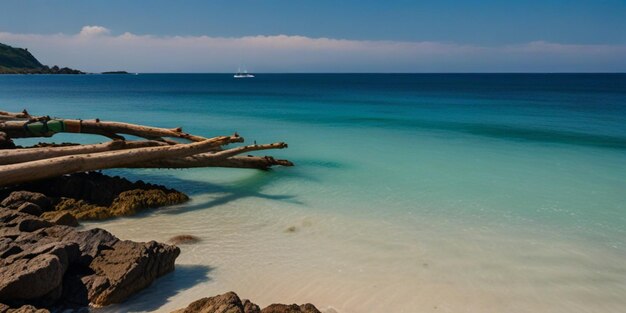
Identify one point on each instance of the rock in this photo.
(308, 308)
(91, 242)
(23, 309)
(30, 208)
(129, 267)
(26, 279)
(126, 204)
(129, 202)
(60, 218)
(44, 264)
(66, 252)
(226, 303)
(293, 308)
(32, 224)
(82, 209)
(249, 307)
(97, 196)
(31, 265)
(230, 303)
(183, 239)
(17, 198)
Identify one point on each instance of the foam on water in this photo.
(411, 193)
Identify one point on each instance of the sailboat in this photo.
(243, 74)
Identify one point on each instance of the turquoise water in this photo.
(484, 193)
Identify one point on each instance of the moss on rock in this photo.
(127, 203)
(94, 196)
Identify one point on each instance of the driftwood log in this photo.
(156, 148)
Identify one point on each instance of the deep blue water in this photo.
(530, 105)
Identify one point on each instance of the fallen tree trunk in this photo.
(211, 159)
(14, 156)
(30, 164)
(35, 170)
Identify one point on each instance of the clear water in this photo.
(411, 193)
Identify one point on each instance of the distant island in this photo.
(20, 61)
(116, 72)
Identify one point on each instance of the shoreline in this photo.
(358, 265)
(120, 270)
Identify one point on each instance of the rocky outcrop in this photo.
(90, 196)
(230, 303)
(48, 265)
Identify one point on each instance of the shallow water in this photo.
(411, 193)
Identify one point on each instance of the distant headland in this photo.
(20, 61)
(116, 72)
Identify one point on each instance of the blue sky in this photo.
(571, 35)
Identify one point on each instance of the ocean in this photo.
(411, 192)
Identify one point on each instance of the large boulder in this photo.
(47, 265)
(230, 303)
(129, 267)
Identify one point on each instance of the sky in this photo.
(321, 35)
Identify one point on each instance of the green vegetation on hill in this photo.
(17, 58)
(20, 61)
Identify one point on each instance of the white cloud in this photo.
(96, 49)
(93, 31)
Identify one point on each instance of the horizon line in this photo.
(349, 73)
